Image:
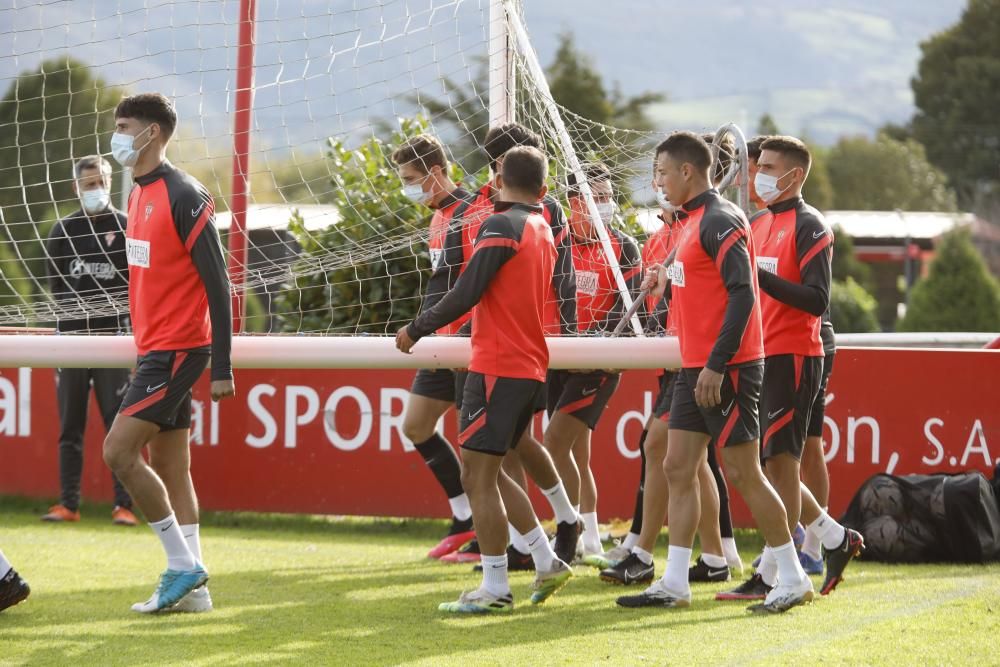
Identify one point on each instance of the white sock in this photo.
(495, 574)
(731, 552)
(5, 566)
(192, 536)
(630, 541)
(591, 533)
(712, 560)
(179, 557)
(790, 571)
(675, 576)
(560, 504)
(768, 567)
(643, 555)
(541, 550)
(829, 531)
(812, 543)
(516, 539)
(460, 507)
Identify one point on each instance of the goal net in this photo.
(334, 246)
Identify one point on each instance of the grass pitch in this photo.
(309, 590)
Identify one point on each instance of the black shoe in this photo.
(516, 561)
(13, 589)
(753, 588)
(629, 571)
(459, 526)
(837, 559)
(654, 596)
(701, 571)
(567, 535)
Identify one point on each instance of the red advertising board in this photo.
(331, 442)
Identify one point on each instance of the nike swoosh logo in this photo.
(722, 236)
(772, 415)
(168, 527)
(588, 392)
(492, 234)
(717, 571)
(725, 413)
(196, 211)
(473, 415)
(150, 390)
(817, 235)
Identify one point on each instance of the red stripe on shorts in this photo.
(144, 403)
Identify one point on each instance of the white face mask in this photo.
(606, 209)
(123, 148)
(767, 186)
(415, 193)
(96, 200)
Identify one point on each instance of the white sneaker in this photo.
(150, 606)
(785, 596)
(195, 602)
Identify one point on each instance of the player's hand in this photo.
(655, 280)
(708, 391)
(403, 341)
(223, 389)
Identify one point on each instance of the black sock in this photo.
(637, 512)
(725, 518)
(443, 462)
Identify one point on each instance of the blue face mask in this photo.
(95, 201)
(123, 148)
(415, 193)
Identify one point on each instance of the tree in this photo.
(766, 125)
(852, 308)
(50, 116)
(363, 273)
(818, 189)
(957, 94)
(845, 262)
(886, 174)
(958, 294)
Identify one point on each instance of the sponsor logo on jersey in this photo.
(769, 264)
(137, 252)
(586, 282)
(97, 270)
(675, 273)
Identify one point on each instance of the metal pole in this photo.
(241, 160)
(501, 66)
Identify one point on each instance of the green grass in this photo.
(311, 590)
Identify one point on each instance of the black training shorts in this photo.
(581, 395)
(733, 421)
(791, 383)
(160, 391)
(495, 412)
(819, 405)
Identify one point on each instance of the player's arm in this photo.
(495, 246)
(630, 262)
(814, 248)
(564, 275)
(194, 215)
(726, 243)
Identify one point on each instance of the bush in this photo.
(852, 308)
(958, 294)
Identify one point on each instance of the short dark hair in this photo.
(594, 171)
(502, 138)
(687, 147)
(792, 149)
(149, 108)
(727, 151)
(753, 146)
(424, 150)
(92, 162)
(524, 169)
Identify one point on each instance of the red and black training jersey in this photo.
(656, 250)
(794, 250)
(178, 285)
(714, 286)
(445, 246)
(508, 279)
(560, 307)
(599, 303)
